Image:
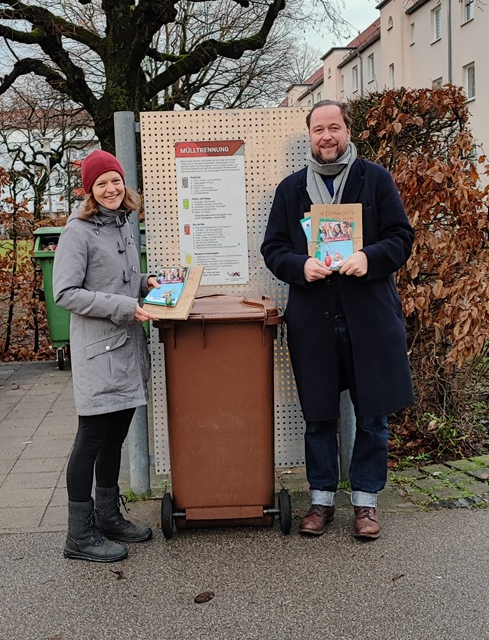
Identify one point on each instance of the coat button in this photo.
(107, 348)
(328, 282)
(326, 315)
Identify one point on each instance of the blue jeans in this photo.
(368, 469)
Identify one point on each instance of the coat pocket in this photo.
(107, 366)
(106, 344)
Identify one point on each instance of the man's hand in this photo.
(355, 265)
(314, 269)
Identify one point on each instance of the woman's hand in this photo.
(153, 282)
(141, 315)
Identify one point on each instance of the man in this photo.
(345, 328)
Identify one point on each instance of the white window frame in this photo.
(436, 23)
(354, 79)
(469, 80)
(371, 67)
(468, 11)
(392, 76)
(437, 83)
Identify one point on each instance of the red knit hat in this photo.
(95, 164)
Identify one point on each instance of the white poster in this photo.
(212, 209)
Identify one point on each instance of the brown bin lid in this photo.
(223, 307)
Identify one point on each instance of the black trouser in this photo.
(98, 445)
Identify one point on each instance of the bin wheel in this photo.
(60, 354)
(285, 511)
(167, 516)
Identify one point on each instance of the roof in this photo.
(361, 41)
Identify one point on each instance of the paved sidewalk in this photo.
(37, 428)
(424, 579)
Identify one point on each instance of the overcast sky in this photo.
(359, 13)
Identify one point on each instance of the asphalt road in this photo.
(424, 579)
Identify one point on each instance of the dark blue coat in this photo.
(371, 304)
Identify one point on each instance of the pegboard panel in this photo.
(276, 143)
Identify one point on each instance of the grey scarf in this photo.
(317, 190)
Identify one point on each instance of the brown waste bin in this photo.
(220, 392)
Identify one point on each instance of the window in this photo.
(469, 80)
(371, 67)
(468, 10)
(412, 33)
(436, 20)
(354, 78)
(390, 23)
(342, 85)
(437, 84)
(318, 97)
(329, 72)
(392, 77)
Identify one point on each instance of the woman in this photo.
(97, 278)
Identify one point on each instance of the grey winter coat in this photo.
(97, 278)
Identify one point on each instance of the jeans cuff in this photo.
(364, 499)
(324, 498)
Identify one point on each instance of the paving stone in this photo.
(421, 498)
(20, 519)
(480, 472)
(477, 488)
(408, 474)
(447, 493)
(46, 480)
(428, 484)
(55, 518)
(482, 460)
(435, 469)
(463, 465)
(24, 497)
(456, 477)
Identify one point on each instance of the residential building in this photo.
(414, 44)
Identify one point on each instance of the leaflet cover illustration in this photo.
(175, 297)
(333, 232)
(172, 282)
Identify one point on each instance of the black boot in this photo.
(109, 518)
(84, 541)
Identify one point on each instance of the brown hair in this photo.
(89, 206)
(344, 108)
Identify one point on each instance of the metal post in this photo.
(125, 147)
(46, 149)
(346, 433)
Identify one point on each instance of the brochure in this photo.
(175, 297)
(334, 242)
(172, 283)
(333, 232)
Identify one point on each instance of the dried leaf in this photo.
(397, 576)
(205, 596)
(119, 574)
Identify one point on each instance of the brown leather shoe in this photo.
(316, 519)
(366, 525)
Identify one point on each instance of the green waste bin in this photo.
(46, 241)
